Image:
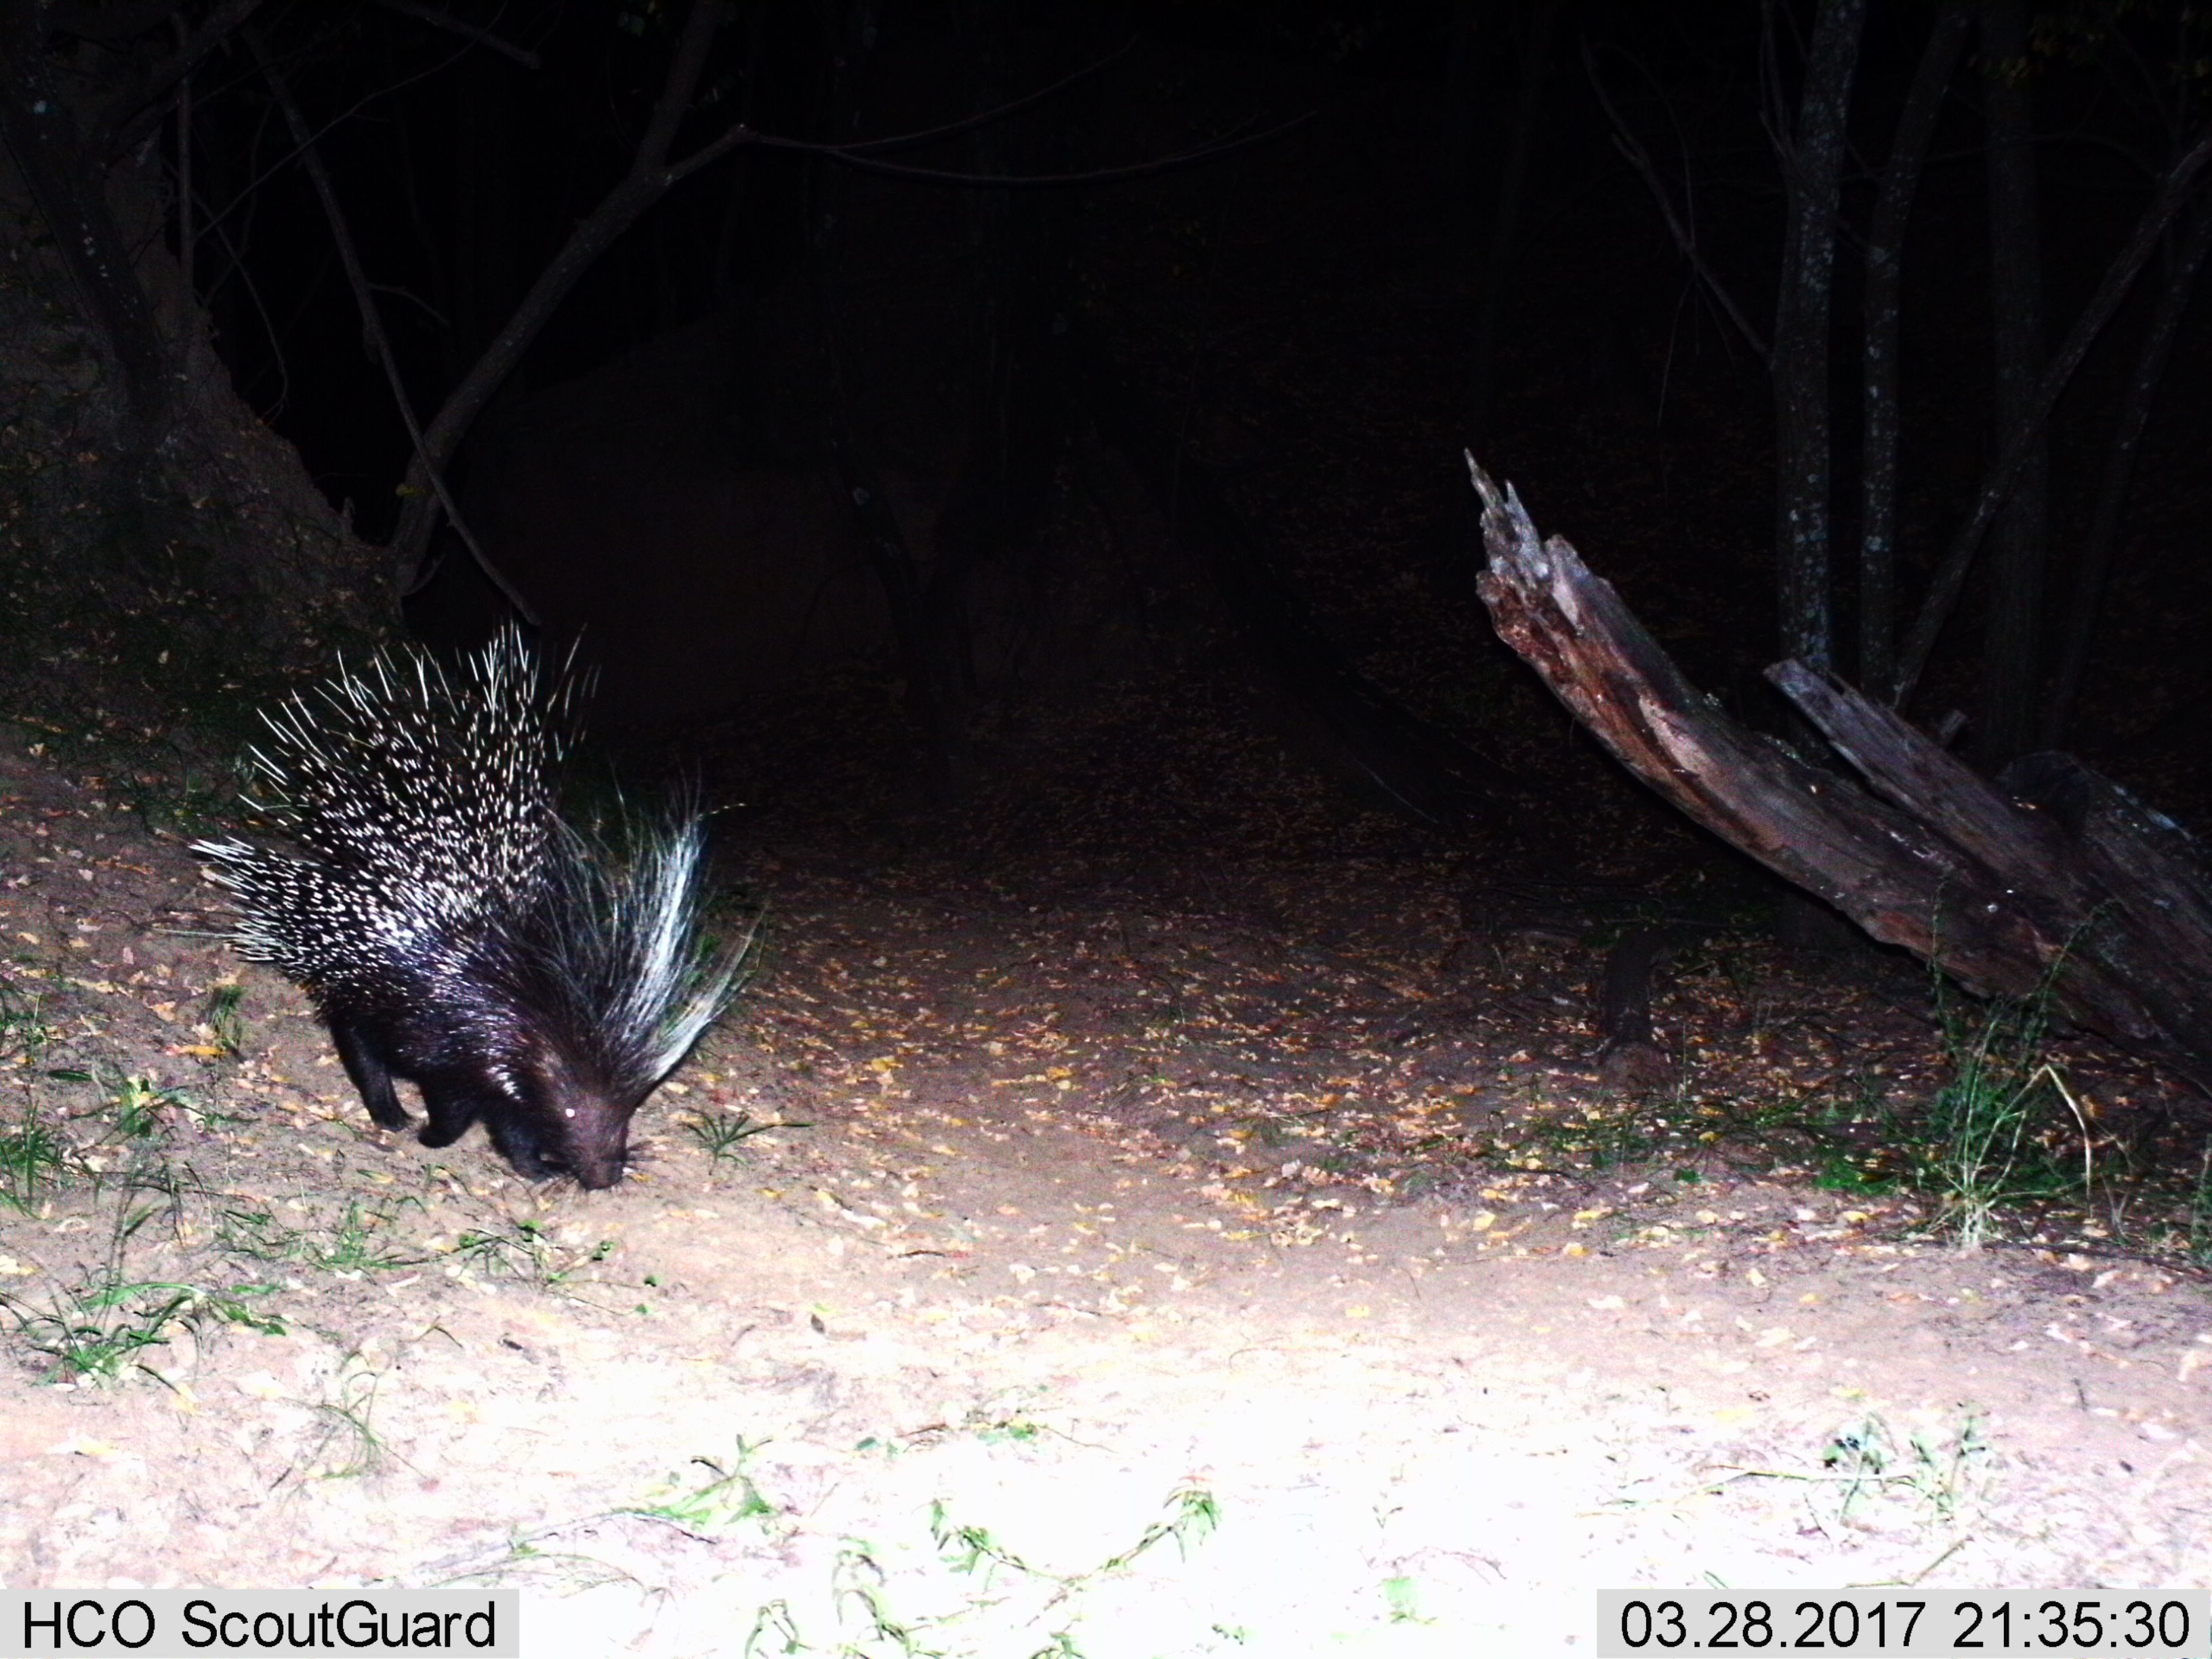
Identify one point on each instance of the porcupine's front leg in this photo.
(362, 1057)
(519, 1145)
(453, 1106)
(460, 1097)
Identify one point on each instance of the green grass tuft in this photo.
(2000, 1133)
(99, 1330)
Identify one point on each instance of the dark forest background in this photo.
(997, 354)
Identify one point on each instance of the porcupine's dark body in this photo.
(452, 931)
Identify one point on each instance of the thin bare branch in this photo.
(2094, 561)
(689, 63)
(1997, 483)
(111, 25)
(131, 117)
(246, 191)
(239, 269)
(1632, 151)
(372, 321)
(969, 122)
(468, 30)
(651, 176)
(859, 160)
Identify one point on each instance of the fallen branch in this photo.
(2049, 881)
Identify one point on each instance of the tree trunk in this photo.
(61, 173)
(2012, 647)
(1883, 305)
(1812, 164)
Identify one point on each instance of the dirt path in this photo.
(1096, 1308)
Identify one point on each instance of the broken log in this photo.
(2050, 881)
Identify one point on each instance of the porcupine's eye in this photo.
(573, 1121)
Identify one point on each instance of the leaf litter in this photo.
(1095, 1157)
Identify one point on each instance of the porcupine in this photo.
(452, 929)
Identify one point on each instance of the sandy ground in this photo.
(981, 1345)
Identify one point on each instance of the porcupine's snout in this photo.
(576, 1126)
